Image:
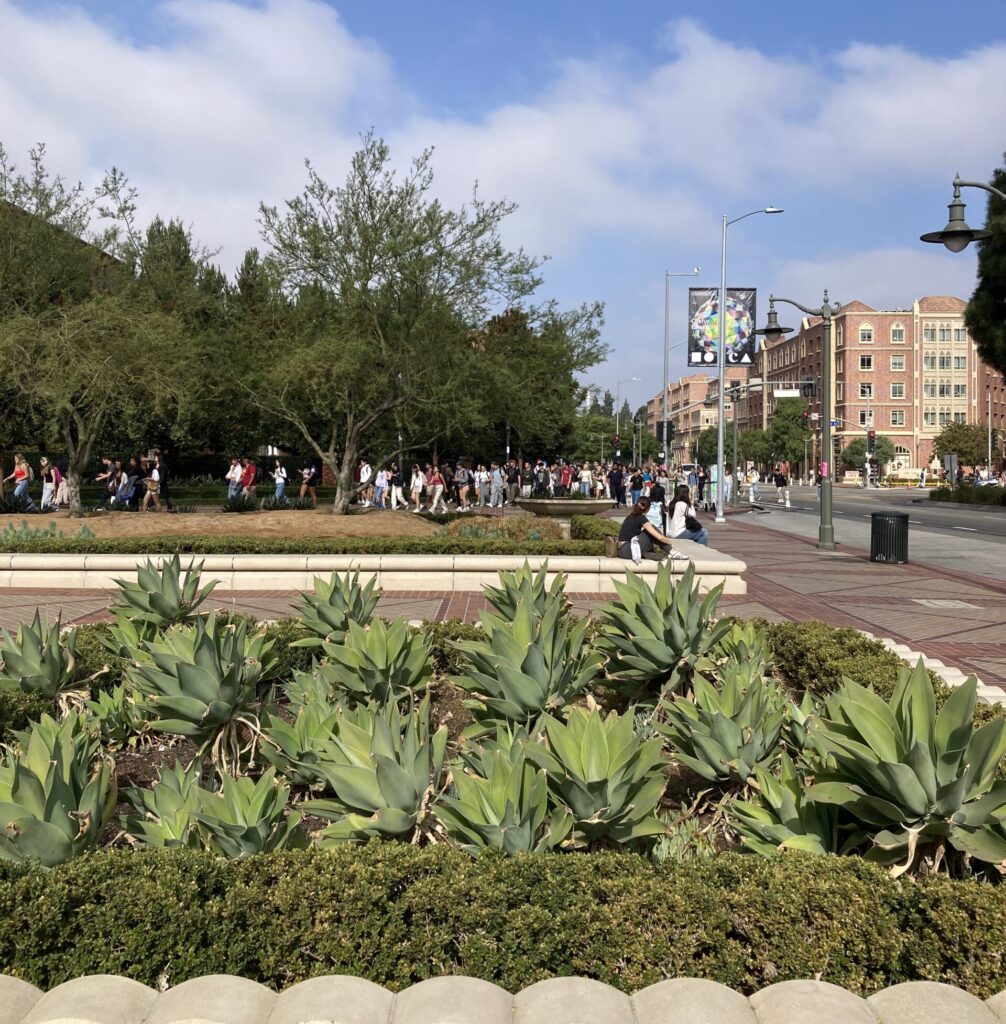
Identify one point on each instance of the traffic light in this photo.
(808, 389)
(617, 439)
(805, 417)
(871, 441)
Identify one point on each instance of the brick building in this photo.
(906, 372)
(691, 409)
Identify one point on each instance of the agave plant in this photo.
(915, 781)
(524, 585)
(658, 639)
(503, 804)
(383, 768)
(162, 596)
(295, 748)
(57, 792)
(780, 817)
(116, 716)
(524, 668)
(745, 648)
(598, 769)
(334, 604)
(799, 719)
(34, 660)
(379, 663)
(201, 682)
(128, 637)
(309, 688)
(247, 817)
(726, 731)
(166, 812)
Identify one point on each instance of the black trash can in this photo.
(889, 537)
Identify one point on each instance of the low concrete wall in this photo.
(221, 999)
(586, 574)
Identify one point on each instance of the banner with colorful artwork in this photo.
(704, 326)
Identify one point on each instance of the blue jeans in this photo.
(379, 497)
(585, 488)
(635, 496)
(21, 491)
(699, 536)
(233, 488)
(280, 489)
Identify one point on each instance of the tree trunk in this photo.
(73, 492)
(345, 485)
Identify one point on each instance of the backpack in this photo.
(610, 546)
(31, 473)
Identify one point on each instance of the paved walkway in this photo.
(953, 616)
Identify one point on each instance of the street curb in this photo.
(950, 676)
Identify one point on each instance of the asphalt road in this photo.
(990, 524)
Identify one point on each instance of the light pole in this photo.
(956, 236)
(721, 317)
(694, 272)
(618, 412)
(772, 332)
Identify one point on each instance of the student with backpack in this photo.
(22, 477)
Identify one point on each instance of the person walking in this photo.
(279, 479)
(416, 487)
(463, 479)
(482, 484)
(153, 485)
(753, 481)
(513, 483)
(164, 473)
(728, 485)
(365, 489)
(681, 518)
(22, 477)
(635, 485)
(233, 478)
(249, 478)
(781, 488)
(438, 484)
(397, 482)
(309, 483)
(48, 473)
(380, 487)
(496, 480)
(586, 479)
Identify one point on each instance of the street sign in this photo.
(815, 416)
(786, 393)
(834, 423)
(869, 420)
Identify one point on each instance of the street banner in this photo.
(704, 329)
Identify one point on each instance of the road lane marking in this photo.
(970, 529)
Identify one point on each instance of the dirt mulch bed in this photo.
(319, 523)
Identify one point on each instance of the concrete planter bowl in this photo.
(564, 508)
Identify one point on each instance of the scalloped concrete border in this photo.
(338, 999)
(586, 574)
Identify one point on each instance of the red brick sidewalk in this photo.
(952, 616)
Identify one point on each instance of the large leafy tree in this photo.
(400, 287)
(789, 430)
(854, 453)
(986, 312)
(81, 342)
(968, 441)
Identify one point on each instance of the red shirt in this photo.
(248, 475)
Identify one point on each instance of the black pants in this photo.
(648, 548)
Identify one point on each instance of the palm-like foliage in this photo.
(166, 813)
(335, 603)
(34, 660)
(658, 639)
(295, 748)
(524, 586)
(162, 596)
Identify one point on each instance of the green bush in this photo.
(970, 495)
(592, 528)
(289, 659)
(444, 657)
(18, 708)
(93, 656)
(397, 915)
(241, 545)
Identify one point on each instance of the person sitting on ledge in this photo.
(639, 538)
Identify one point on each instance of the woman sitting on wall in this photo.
(639, 538)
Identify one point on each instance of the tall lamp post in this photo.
(618, 412)
(694, 272)
(721, 317)
(957, 236)
(772, 332)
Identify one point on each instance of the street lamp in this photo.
(956, 236)
(694, 272)
(618, 411)
(721, 317)
(772, 332)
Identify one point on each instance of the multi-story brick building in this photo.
(906, 373)
(691, 409)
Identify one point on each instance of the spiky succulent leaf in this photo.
(116, 716)
(36, 659)
(163, 595)
(525, 586)
(335, 603)
(294, 748)
(166, 812)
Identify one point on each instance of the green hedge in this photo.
(17, 709)
(970, 495)
(239, 545)
(592, 528)
(396, 914)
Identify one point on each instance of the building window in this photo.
(929, 333)
(866, 391)
(839, 336)
(944, 417)
(945, 363)
(866, 362)
(960, 362)
(897, 417)
(929, 389)
(866, 334)
(897, 391)
(960, 417)
(944, 333)
(945, 391)
(898, 334)
(864, 418)
(960, 334)
(960, 391)
(929, 361)
(897, 363)
(929, 417)
(839, 392)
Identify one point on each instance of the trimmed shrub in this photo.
(970, 495)
(519, 528)
(444, 657)
(93, 655)
(241, 545)
(397, 915)
(18, 708)
(289, 659)
(592, 528)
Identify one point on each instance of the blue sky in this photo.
(624, 131)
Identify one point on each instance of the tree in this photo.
(986, 313)
(968, 441)
(608, 404)
(81, 342)
(755, 446)
(789, 430)
(854, 453)
(390, 292)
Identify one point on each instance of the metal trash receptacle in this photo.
(889, 537)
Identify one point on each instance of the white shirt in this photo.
(382, 478)
(681, 510)
(365, 473)
(417, 481)
(234, 473)
(279, 474)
